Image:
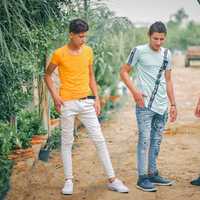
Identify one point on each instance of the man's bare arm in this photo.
(137, 95)
(170, 94)
(49, 82)
(93, 87)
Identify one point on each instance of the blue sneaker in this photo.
(196, 181)
(159, 180)
(144, 184)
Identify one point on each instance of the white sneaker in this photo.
(118, 186)
(68, 187)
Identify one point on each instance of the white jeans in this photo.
(84, 110)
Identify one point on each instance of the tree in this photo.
(24, 36)
(179, 16)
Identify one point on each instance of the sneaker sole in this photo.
(65, 193)
(195, 184)
(113, 189)
(146, 190)
(165, 184)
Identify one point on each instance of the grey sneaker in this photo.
(159, 180)
(145, 184)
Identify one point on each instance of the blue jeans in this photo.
(150, 129)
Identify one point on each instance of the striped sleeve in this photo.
(133, 57)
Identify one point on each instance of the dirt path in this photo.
(179, 158)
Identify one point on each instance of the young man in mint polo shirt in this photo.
(151, 91)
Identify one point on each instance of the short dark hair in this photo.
(158, 27)
(78, 26)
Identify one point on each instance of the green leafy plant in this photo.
(53, 113)
(28, 121)
(5, 173)
(6, 145)
(105, 112)
(7, 138)
(55, 139)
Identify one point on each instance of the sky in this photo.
(153, 10)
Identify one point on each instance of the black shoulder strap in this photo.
(131, 56)
(157, 83)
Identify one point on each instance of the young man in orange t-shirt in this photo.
(74, 62)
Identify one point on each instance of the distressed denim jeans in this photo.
(150, 129)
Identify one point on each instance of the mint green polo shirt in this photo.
(146, 64)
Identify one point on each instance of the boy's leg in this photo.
(144, 119)
(67, 137)
(158, 125)
(157, 128)
(89, 118)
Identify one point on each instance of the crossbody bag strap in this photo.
(157, 83)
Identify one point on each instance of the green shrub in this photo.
(53, 113)
(5, 172)
(28, 122)
(6, 139)
(55, 139)
(106, 111)
(7, 142)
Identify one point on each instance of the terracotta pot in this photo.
(21, 154)
(169, 131)
(41, 137)
(54, 121)
(102, 102)
(114, 98)
(38, 139)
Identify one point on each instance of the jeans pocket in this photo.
(89, 101)
(141, 109)
(61, 108)
(67, 105)
(138, 108)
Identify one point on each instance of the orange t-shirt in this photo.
(73, 72)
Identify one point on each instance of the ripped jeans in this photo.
(150, 129)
